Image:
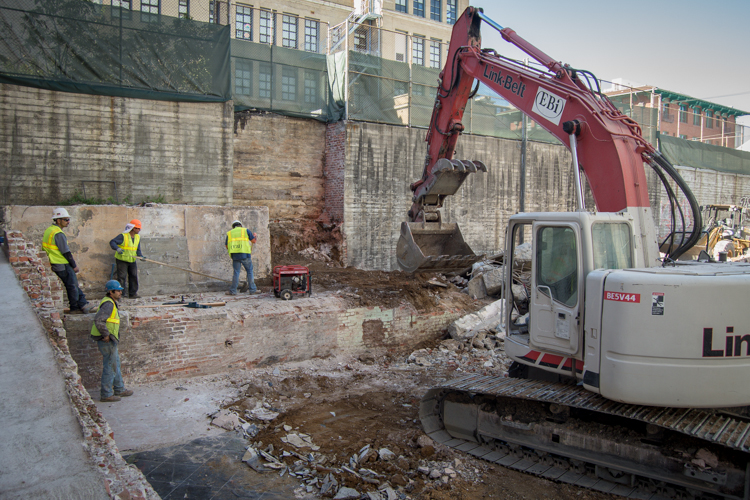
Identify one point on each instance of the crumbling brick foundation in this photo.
(44, 290)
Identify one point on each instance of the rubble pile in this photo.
(385, 455)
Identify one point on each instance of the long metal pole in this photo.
(346, 70)
(577, 171)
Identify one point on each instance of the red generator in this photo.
(289, 281)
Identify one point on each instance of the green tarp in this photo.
(696, 154)
(78, 46)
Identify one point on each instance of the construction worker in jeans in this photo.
(127, 247)
(61, 260)
(106, 332)
(239, 243)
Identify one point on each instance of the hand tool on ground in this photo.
(243, 286)
(192, 305)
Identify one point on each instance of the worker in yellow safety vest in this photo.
(127, 247)
(106, 331)
(239, 243)
(55, 243)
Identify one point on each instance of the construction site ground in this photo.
(338, 406)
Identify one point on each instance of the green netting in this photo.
(286, 81)
(696, 154)
(80, 46)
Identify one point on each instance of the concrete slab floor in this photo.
(164, 430)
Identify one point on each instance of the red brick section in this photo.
(173, 342)
(333, 170)
(44, 290)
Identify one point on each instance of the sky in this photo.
(698, 48)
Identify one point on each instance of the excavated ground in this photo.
(343, 405)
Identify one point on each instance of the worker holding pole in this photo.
(239, 243)
(127, 247)
(55, 243)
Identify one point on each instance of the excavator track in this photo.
(568, 434)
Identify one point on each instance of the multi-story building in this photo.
(682, 116)
(303, 24)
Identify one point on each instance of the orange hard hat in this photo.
(136, 223)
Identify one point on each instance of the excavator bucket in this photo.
(433, 246)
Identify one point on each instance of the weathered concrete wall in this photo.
(278, 163)
(53, 144)
(178, 342)
(381, 162)
(190, 237)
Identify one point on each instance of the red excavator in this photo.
(629, 371)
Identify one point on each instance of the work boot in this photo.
(230, 293)
(125, 393)
(254, 292)
(110, 399)
(135, 296)
(76, 311)
(89, 308)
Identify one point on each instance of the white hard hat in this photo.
(236, 223)
(60, 213)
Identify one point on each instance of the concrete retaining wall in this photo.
(53, 144)
(190, 237)
(175, 342)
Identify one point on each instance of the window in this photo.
(683, 136)
(452, 13)
(243, 74)
(243, 23)
(211, 11)
(435, 54)
(611, 244)
(361, 39)
(557, 264)
(183, 9)
(121, 8)
(418, 89)
(417, 51)
(665, 109)
(150, 6)
(709, 119)
(418, 8)
(400, 88)
(289, 31)
(435, 10)
(683, 113)
(266, 29)
(401, 6)
(696, 116)
(265, 80)
(311, 87)
(312, 30)
(289, 84)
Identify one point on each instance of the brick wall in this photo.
(44, 291)
(53, 142)
(335, 168)
(174, 342)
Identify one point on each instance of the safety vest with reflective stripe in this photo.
(113, 322)
(238, 241)
(49, 246)
(129, 246)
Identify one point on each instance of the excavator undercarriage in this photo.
(564, 433)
